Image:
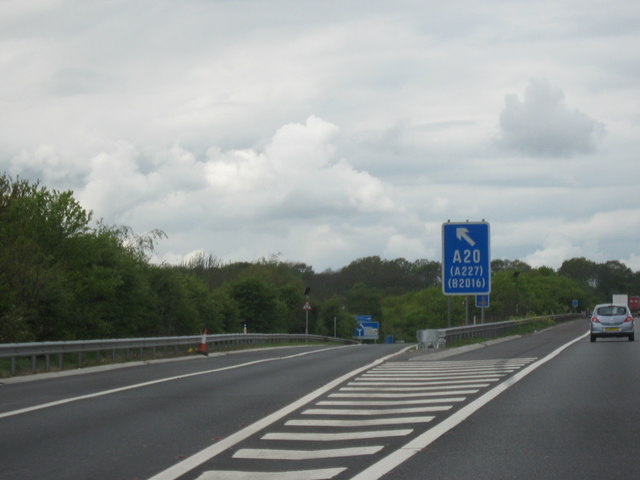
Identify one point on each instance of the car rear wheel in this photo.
(632, 337)
(593, 338)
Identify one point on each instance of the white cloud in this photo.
(400, 246)
(331, 132)
(542, 124)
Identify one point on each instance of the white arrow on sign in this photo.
(462, 233)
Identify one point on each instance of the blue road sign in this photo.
(466, 259)
(367, 331)
(482, 301)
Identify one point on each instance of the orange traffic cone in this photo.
(202, 349)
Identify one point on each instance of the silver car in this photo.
(609, 320)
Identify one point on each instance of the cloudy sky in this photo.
(326, 131)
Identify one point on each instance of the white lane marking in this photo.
(459, 363)
(426, 382)
(211, 451)
(386, 403)
(433, 376)
(440, 388)
(322, 474)
(418, 371)
(276, 454)
(416, 445)
(368, 394)
(441, 368)
(430, 376)
(364, 412)
(359, 423)
(152, 382)
(440, 371)
(333, 437)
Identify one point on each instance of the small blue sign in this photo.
(466, 259)
(482, 301)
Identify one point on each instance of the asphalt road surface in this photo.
(547, 405)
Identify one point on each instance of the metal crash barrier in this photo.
(438, 338)
(44, 356)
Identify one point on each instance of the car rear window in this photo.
(612, 310)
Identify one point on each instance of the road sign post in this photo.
(466, 259)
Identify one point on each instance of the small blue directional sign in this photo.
(466, 259)
(482, 301)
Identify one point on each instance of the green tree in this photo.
(36, 226)
(614, 277)
(226, 311)
(418, 310)
(332, 313)
(362, 299)
(580, 270)
(258, 305)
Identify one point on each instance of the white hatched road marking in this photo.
(276, 454)
(411, 389)
(358, 423)
(432, 386)
(386, 403)
(416, 445)
(429, 376)
(447, 371)
(367, 412)
(418, 371)
(415, 384)
(368, 394)
(332, 437)
(322, 474)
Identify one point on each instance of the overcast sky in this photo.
(326, 131)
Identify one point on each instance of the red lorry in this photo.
(634, 304)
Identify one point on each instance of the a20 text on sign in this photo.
(466, 259)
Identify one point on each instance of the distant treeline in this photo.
(64, 276)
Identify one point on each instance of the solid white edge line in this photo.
(207, 453)
(152, 382)
(404, 453)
